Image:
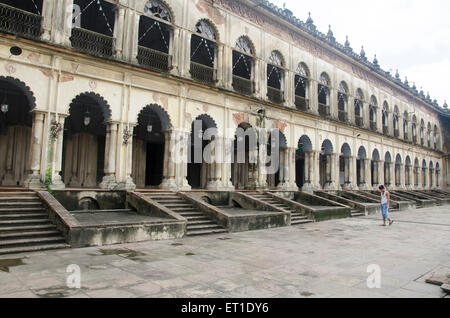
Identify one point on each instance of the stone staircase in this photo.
(296, 217)
(198, 223)
(25, 225)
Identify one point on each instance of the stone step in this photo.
(211, 226)
(18, 199)
(302, 217)
(29, 249)
(297, 222)
(21, 194)
(29, 228)
(191, 214)
(178, 206)
(203, 233)
(24, 235)
(204, 222)
(185, 210)
(23, 216)
(32, 241)
(21, 210)
(24, 222)
(173, 201)
(5, 205)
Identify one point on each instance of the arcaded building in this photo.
(95, 93)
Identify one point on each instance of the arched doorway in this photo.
(85, 141)
(16, 120)
(408, 172)
(398, 171)
(424, 174)
(244, 164)
(438, 175)
(326, 166)
(375, 168)
(344, 167)
(416, 173)
(387, 169)
(361, 168)
(277, 152)
(200, 172)
(149, 147)
(431, 172)
(304, 163)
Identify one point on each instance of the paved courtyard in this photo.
(328, 259)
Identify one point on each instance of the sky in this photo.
(412, 36)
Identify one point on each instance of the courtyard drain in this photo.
(56, 292)
(190, 254)
(126, 253)
(177, 244)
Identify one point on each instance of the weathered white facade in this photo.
(56, 74)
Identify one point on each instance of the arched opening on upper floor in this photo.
(93, 25)
(245, 157)
(406, 121)
(200, 170)
(243, 66)
(344, 166)
(374, 167)
(301, 88)
(396, 121)
(304, 162)
(155, 37)
(324, 95)
(84, 141)
(343, 102)
(414, 129)
(326, 165)
(278, 154)
(16, 121)
(21, 17)
(398, 170)
(275, 77)
(150, 153)
(422, 132)
(373, 108)
(361, 167)
(204, 53)
(359, 108)
(385, 118)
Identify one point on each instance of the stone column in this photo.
(261, 167)
(67, 12)
(227, 67)
(179, 156)
(289, 94)
(381, 172)
(175, 45)
(57, 182)
(347, 177)
(169, 182)
(185, 52)
(263, 84)
(128, 184)
(135, 40)
(309, 172)
(228, 159)
(118, 32)
(284, 169)
(257, 78)
(109, 180)
(216, 165)
(220, 64)
(47, 14)
(313, 97)
(333, 103)
(34, 180)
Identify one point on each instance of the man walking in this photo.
(385, 202)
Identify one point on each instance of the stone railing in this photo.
(359, 121)
(243, 85)
(343, 116)
(275, 95)
(203, 73)
(302, 103)
(20, 22)
(324, 110)
(92, 43)
(154, 59)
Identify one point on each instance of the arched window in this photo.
(414, 129)
(204, 53)
(155, 37)
(422, 133)
(16, 21)
(93, 27)
(385, 118)
(301, 82)
(275, 77)
(373, 113)
(405, 125)
(395, 122)
(243, 66)
(359, 108)
(324, 95)
(343, 102)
